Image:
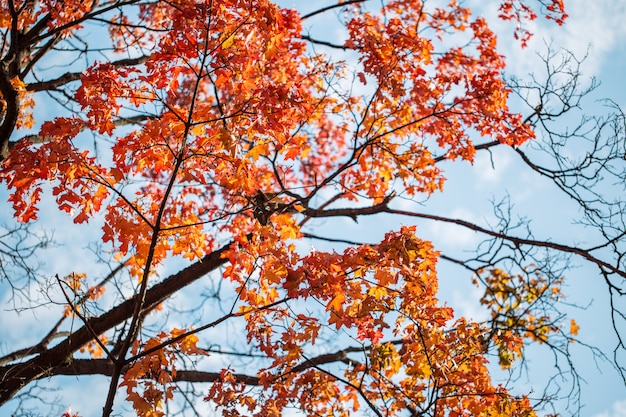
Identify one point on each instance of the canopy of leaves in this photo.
(222, 130)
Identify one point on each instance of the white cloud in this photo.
(599, 24)
(595, 28)
(21, 329)
(618, 410)
(452, 235)
(466, 303)
(491, 168)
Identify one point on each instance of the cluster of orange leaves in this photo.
(76, 283)
(25, 119)
(148, 380)
(520, 12)
(94, 349)
(370, 293)
(244, 107)
(58, 14)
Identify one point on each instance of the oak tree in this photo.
(203, 143)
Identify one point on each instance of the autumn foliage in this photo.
(214, 135)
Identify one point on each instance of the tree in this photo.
(222, 134)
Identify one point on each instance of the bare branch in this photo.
(14, 377)
(68, 77)
(106, 367)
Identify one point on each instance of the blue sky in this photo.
(595, 28)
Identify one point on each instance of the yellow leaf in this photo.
(227, 42)
(261, 148)
(336, 303)
(289, 231)
(378, 292)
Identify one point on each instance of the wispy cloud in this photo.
(618, 410)
(492, 168)
(594, 29)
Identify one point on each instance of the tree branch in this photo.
(68, 77)
(106, 367)
(14, 377)
(121, 121)
(354, 213)
(323, 43)
(9, 111)
(332, 6)
(516, 240)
